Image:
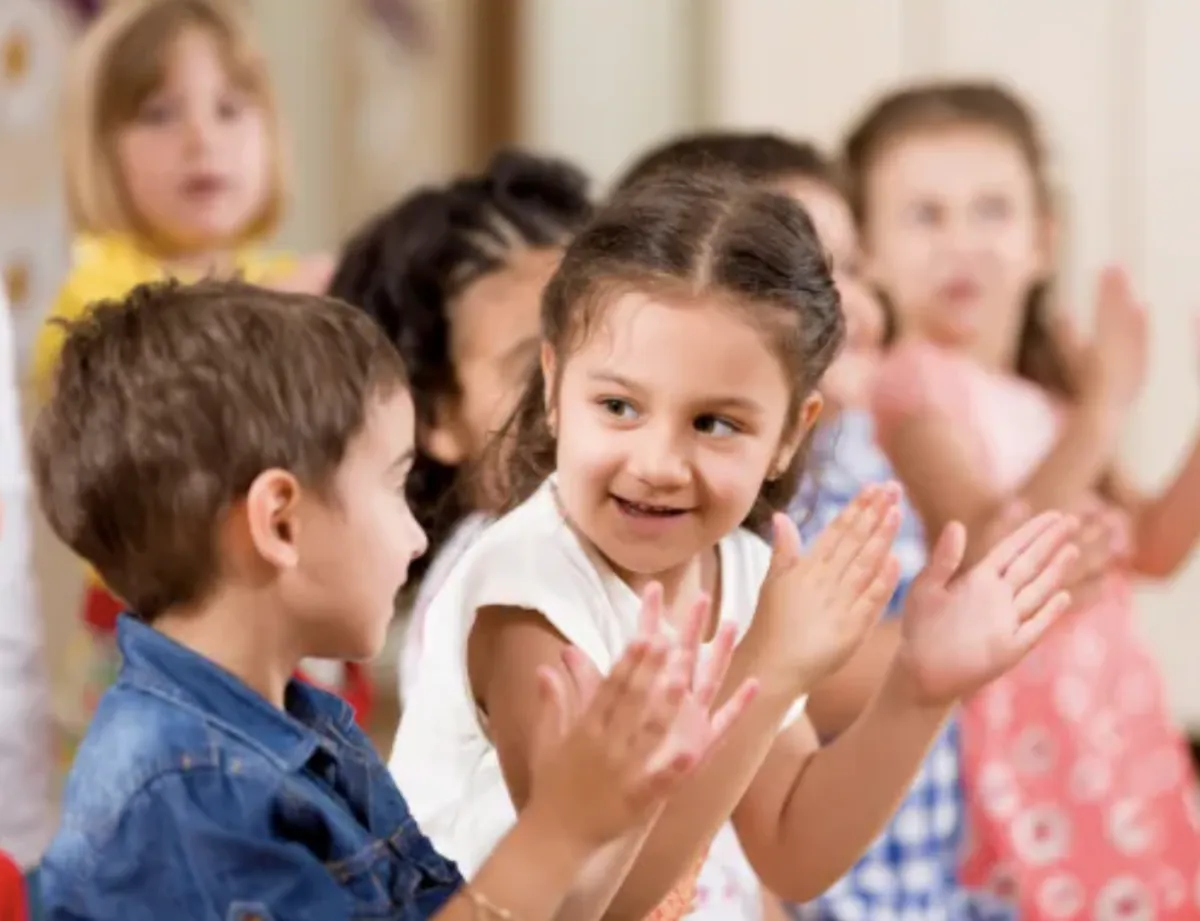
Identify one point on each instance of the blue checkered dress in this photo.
(910, 873)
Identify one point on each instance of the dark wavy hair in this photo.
(406, 266)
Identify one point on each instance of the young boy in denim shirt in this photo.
(232, 461)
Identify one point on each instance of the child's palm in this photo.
(611, 749)
(960, 633)
(817, 607)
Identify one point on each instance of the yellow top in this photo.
(110, 266)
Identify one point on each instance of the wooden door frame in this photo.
(495, 81)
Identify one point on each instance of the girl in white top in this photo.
(26, 765)
(683, 334)
(454, 274)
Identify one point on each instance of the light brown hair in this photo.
(949, 105)
(707, 234)
(167, 404)
(117, 65)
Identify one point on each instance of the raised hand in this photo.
(610, 750)
(960, 633)
(1113, 365)
(815, 608)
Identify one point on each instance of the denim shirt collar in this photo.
(158, 665)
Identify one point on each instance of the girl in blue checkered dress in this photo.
(910, 873)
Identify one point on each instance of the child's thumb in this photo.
(946, 556)
(785, 544)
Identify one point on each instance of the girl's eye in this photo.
(994, 207)
(923, 213)
(714, 425)
(622, 409)
(155, 113)
(230, 109)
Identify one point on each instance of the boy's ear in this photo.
(549, 370)
(810, 411)
(273, 517)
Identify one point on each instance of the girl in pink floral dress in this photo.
(1079, 787)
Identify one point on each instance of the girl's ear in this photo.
(549, 371)
(444, 441)
(810, 411)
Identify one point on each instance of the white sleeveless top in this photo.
(442, 759)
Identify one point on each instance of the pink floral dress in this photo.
(1081, 802)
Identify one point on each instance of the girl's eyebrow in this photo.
(725, 402)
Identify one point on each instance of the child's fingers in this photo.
(1002, 555)
(616, 685)
(1027, 565)
(1096, 551)
(826, 544)
(713, 671)
(731, 710)
(871, 602)
(650, 621)
(695, 622)
(947, 555)
(585, 677)
(859, 532)
(662, 776)
(785, 544)
(1038, 591)
(627, 714)
(659, 715)
(1034, 628)
(872, 556)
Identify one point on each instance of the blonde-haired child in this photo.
(174, 166)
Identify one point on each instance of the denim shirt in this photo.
(192, 797)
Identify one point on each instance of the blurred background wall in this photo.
(595, 80)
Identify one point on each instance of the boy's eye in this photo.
(622, 409)
(715, 425)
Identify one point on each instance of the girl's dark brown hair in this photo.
(947, 105)
(408, 265)
(705, 234)
(759, 157)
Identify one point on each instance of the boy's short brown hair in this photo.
(167, 404)
(118, 63)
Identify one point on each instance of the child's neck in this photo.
(239, 634)
(219, 263)
(683, 585)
